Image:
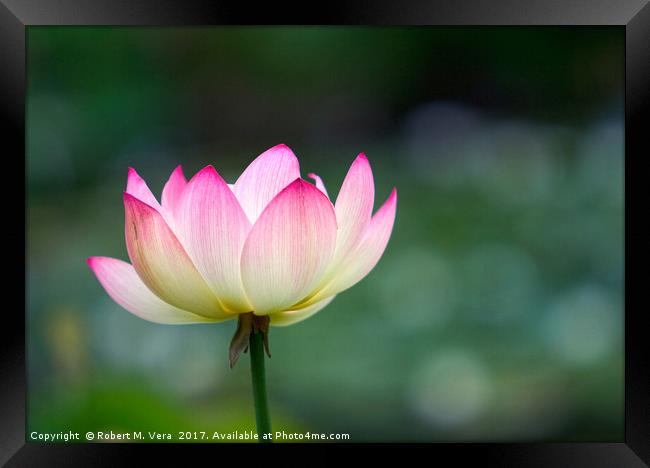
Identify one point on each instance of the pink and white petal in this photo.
(354, 206)
(172, 191)
(213, 228)
(125, 287)
(264, 178)
(319, 183)
(288, 248)
(353, 212)
(365, 255)
(136, 186)
(163, 264)
(289, 317)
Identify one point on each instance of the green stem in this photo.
(259, 386)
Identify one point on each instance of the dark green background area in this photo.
(496, 311)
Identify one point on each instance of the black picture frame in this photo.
(632, 15)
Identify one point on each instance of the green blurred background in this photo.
(495, 313)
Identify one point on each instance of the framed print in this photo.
(390, 226)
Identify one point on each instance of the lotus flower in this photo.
(272, 243)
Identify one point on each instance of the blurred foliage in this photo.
(496, 311)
